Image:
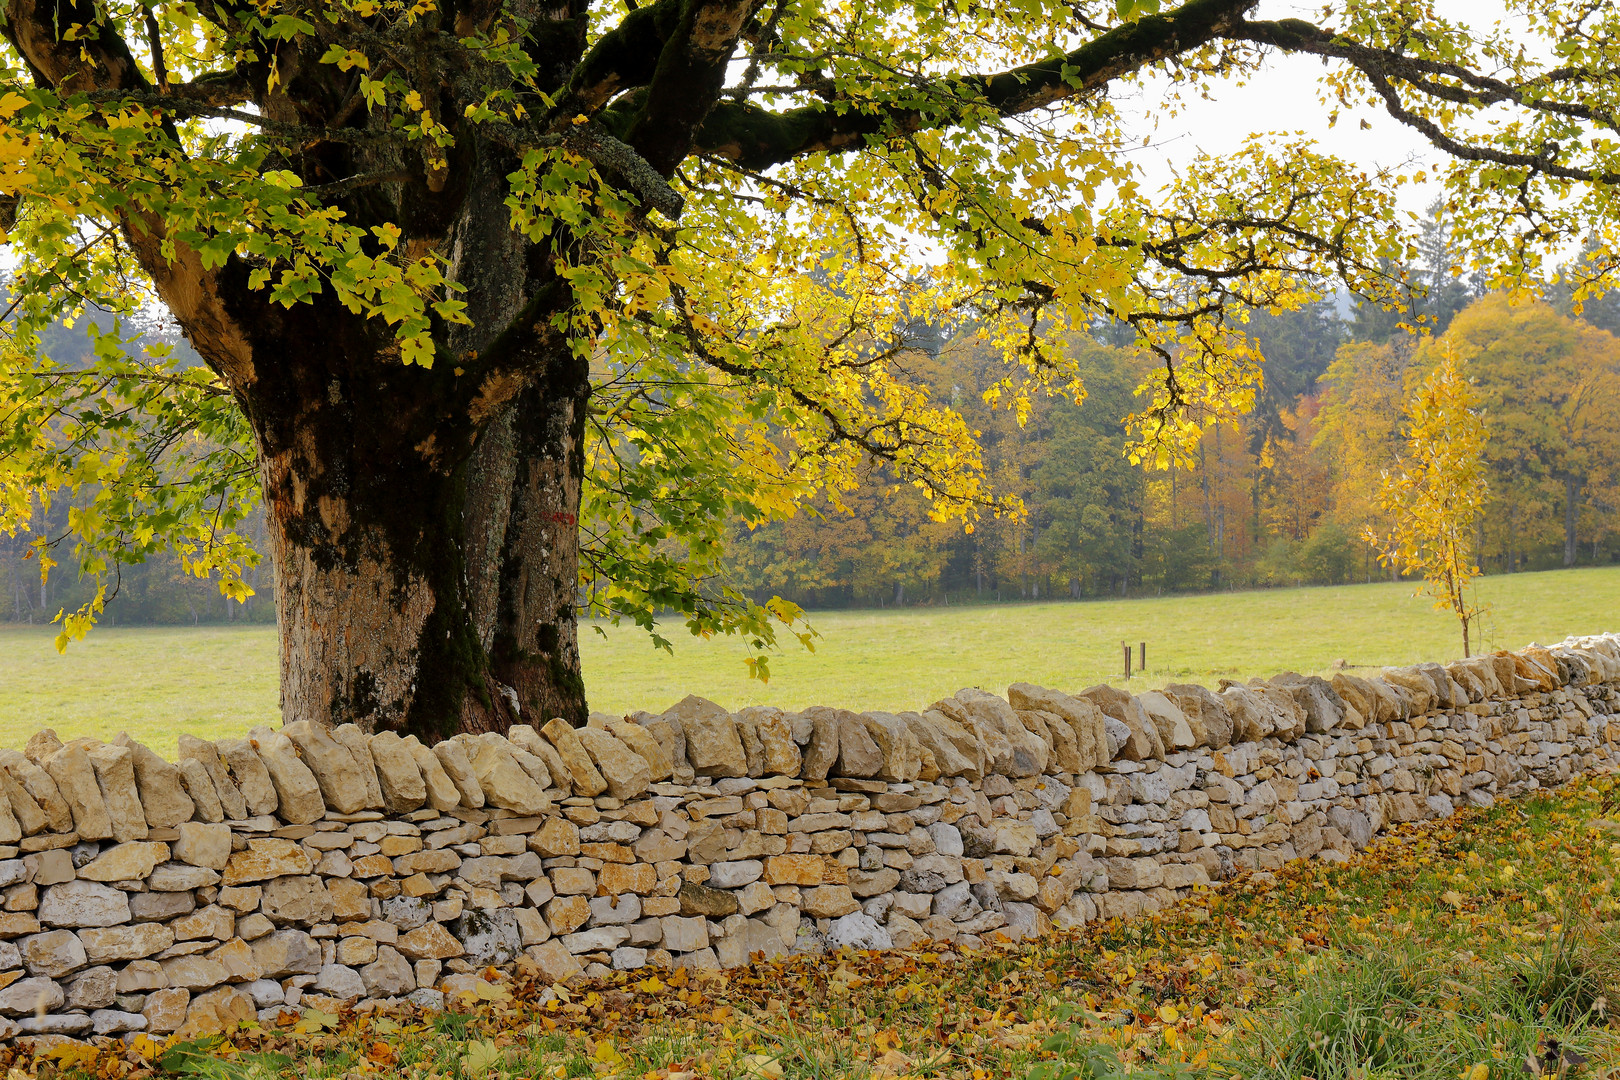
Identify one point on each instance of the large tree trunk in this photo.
(421, 595)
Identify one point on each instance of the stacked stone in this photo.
(311, 868)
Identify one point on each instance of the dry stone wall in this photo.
(313, 868)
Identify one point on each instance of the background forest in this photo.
(1280, 496)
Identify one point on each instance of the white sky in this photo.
(1285, 98)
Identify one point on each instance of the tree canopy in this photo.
(494, 298)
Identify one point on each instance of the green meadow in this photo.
(215, 680)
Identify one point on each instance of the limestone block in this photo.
(175, 877)
(1288, 718)
(734, 875)
(250, 776)
(565, 914)
(157, 906)
(646, 745)
(115, 773)
(442, 793)
(287, 952)
(868, 883)
(202, 844)
(25, 811)
(52, 954)
(429, 942)
(194, 972)
(166, 1009)
(551, 772)
(75, 778)
(753, 749)
(954, 749)
(139, 976)
(403, 788)
(793, 870)
(200, 788)
(359, 746)
(27, 997)
(782, 754)
(581, 769)
(1205, 713)
(554, 962)
(93, 988)
(556, 839)
(696, 899)
(298, 793)
(1174, 730)
(340, 777)
(656, 846)
(858, 930)
(1251, 718)
(858, 753)
(821, 753)
(616, 878)
(390, 975)
(41, 745)
(671, 738)
(207, 755)
(297, 900)
(1324, 709)
(713, 746)
(626, 772)
(264, 858)
(503, 780)
(829, 902)
(1142, 742)
(159, 785)
(1027, 752)
(110, 944)
(83, 903)
(217, 1011)
(49, 867)
(38, 786)
(125, 862)
(356, 951)
(900, 751)
(453, 756)
(685, 934)
(213, 922)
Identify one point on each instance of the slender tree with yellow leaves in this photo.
(1437, 490)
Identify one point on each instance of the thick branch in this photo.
(624, 57)
(99, 60)
(1382, 68)
(758, 139)
(687, 82)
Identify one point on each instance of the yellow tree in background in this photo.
(1435, 493)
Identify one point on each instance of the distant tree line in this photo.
(1281, 496)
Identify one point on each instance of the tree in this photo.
(1437, 491)
(497, 299)
(1358, 427)
(1550, 386)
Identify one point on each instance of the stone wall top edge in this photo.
(56, 793)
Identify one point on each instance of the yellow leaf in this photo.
(1481, 1071)
(1168, 1014)
(760, 1065)
(1452, 897)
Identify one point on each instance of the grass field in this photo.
(219, 680)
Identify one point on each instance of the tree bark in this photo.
(1572, 488)
(422, 594)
